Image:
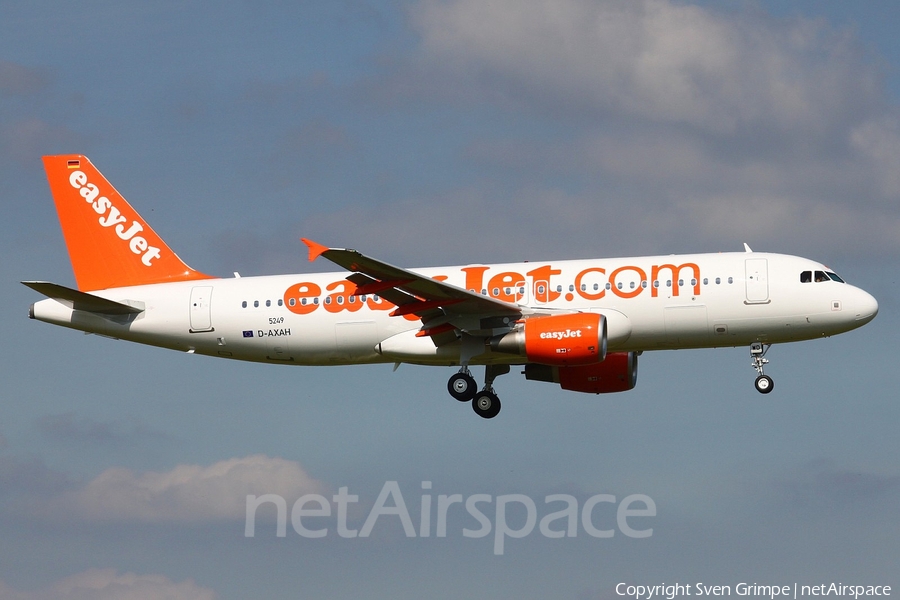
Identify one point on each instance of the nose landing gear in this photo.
(763, 383)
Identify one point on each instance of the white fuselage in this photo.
(650, 303)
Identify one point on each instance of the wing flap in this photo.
(406, 304)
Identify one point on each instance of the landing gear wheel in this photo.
(462, 386)
(764, 384)
(486, 404)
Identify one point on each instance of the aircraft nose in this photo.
(865, 307)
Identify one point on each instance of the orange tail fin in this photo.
(109, 244)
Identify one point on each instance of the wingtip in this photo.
(315, 249)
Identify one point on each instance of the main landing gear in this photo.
(763, 383)
(462, 385)
(485, 403)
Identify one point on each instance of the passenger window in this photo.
(280, 302)
(805, 276)
(268, 303)
(540, 289)
(705, 281)
(244, 304)
(256, 304)
(718, 280)
(731, 280)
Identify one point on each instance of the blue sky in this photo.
(429, 133)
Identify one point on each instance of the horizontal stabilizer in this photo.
(80, 300)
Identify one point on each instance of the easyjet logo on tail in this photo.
(111, 217)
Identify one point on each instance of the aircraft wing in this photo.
(427, 298)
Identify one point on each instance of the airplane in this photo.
(578, 323)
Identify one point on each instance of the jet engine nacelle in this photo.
(618, 373)
(563, 340)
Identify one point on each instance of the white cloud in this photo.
(878, 142)
(69, 427)
(18, 80)
(674, 127)
(23, 135)
(107, 584)
(467, 226)
(23, 139)
(654, 59)
(187, 492)
(823, 482)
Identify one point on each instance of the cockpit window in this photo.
(819, 276)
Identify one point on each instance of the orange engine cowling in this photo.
(618, 373)
(563, 340)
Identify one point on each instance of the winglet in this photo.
(315, 249)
